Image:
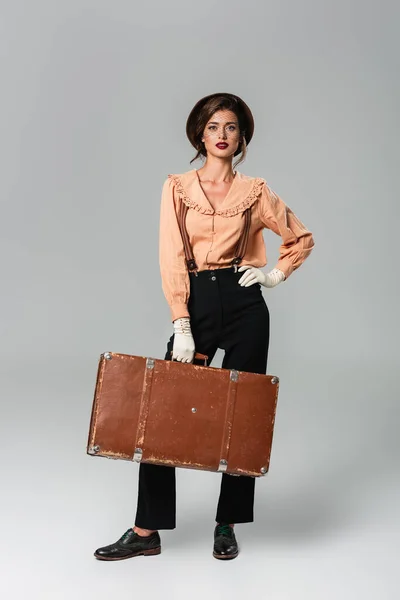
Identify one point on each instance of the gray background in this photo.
(94, 99)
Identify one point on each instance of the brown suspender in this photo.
(241, 245)
(240, 249)
(190, 261)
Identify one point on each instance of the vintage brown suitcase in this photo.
(183, 415)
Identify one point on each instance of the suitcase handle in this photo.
(199, 356)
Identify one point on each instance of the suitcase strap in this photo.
(144, 408)
(240, 248)
(229, 414)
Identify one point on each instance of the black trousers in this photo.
(226, 315)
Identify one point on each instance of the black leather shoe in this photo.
(130, 544)
(225, 544)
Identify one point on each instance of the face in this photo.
(221, 134)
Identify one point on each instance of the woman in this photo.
(211, 221)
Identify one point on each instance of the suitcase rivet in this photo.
(263, 470)
(107, 355)
(150, 363)
(275, 380)
(95, 448)
(194, 409)
(234, 375)
(138, 454)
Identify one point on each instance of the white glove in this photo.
(183, 348)
(254, 275)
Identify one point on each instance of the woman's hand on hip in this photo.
(254, 275)
(183, 348)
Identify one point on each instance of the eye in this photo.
(212, 127)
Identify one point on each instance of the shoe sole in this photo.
(225, 556)
(150, 552)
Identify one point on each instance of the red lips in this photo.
(222, 145)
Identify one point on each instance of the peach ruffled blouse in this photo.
(213, 233)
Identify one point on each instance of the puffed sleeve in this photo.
(297, 240)
(174, 274)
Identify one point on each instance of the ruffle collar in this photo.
(242, 194)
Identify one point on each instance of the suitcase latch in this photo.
(223, 465)
(138, 454)
(234, 376)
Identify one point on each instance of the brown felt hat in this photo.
(243, 110)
